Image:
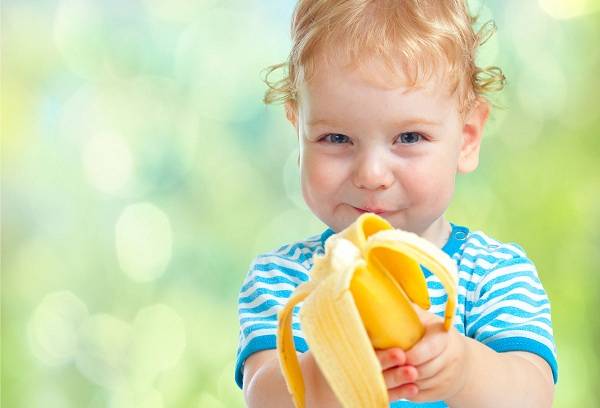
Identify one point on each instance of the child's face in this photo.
(396, 151)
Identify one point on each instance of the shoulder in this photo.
(480, 246)
(297, 254)
(286, 266)
(481, 253)
(483, 260)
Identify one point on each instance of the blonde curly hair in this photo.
(425, 33)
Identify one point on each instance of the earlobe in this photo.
(472, 133)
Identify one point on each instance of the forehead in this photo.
(374, 85)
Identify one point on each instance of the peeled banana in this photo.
(358, 299)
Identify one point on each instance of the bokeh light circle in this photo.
(53, 328)
(107, 162)
(103, 355)
(143, 241)
(158, 341)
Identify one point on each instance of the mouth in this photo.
(377, 211)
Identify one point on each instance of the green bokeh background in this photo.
(141, 174)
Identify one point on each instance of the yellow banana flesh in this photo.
(358, 299)
(380, 301)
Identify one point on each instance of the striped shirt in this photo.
(501, 301)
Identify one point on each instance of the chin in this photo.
(339, 223)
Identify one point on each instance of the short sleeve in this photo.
(268, 285)
(511, 311)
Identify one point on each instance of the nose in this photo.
(372, 171)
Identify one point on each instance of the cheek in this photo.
(431, 184)
(319, 175)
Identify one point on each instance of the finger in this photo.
(429, 383)
(425, 315)
(434, 374)
(408, 391)
(430, 346)
(398, 376)
(440, 386)
(429, 370)
(391, 357)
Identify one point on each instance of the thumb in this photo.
(425, 315)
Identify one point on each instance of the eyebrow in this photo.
(317, 122)
(416, 121)
(403, 123)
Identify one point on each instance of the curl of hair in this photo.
(280, 90)
(491, 78)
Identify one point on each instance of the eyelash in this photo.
(327, 137)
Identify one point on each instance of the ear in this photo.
(291, 112)
(472, 132)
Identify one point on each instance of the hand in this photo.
(433, 369)
(440, 358)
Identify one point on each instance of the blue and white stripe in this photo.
(501, 301)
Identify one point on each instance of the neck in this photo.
(438, 232)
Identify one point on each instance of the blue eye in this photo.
(409, 137)
(336, 138)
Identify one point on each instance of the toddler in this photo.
(388, 107)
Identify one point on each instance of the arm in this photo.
(499, 380)
(265, 387)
